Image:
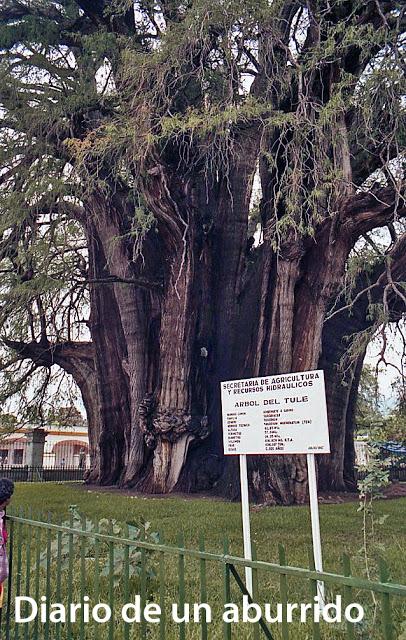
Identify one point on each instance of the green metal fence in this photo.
(84, 565)
(42, 474)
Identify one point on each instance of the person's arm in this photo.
(5, 533)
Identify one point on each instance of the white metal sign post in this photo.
(314, 514)
(246, 527)
(277, 415)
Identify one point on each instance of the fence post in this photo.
(111, 582)
(10, 580)
(181, 569)
(143, 589)
(162, 585)
(314, 592)
(82, 576)
(387, 624)
(283, 581)
(48, 575)
(70, 573)
(96, 577)
(126, 578)
(18, 534)
(203, 588)
(226, 589)
(58, 578)
(348, 594)
(28, 570)
(255, 591)
(38, 543)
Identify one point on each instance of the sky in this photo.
(388, 373)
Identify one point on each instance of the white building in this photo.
(64, 447)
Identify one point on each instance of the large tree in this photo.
(141, 142)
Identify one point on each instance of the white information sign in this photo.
(283, 414)
(279, 415)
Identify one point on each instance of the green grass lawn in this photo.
(341, 527)
(341, 524)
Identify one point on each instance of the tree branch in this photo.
(381, 284)
(48, 354)
(138, 282)
(368, 210)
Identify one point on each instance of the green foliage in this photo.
(392, 428)
(369, 415)
(399, 387)
(65, 416)
(86, 546)
(376, 478)
(8, 424)
(370, 490)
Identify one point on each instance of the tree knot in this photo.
(169, 424)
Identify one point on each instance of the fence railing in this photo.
(23, 473)
(42, 474)
(395, 473)
(103, 566)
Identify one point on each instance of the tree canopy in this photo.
(141, 143)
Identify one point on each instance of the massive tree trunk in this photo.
(110, 349)
(299, 290)
(220, 311)
(129, 309)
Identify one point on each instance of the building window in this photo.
(18, 455)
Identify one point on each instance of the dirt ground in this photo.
(394, 490)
